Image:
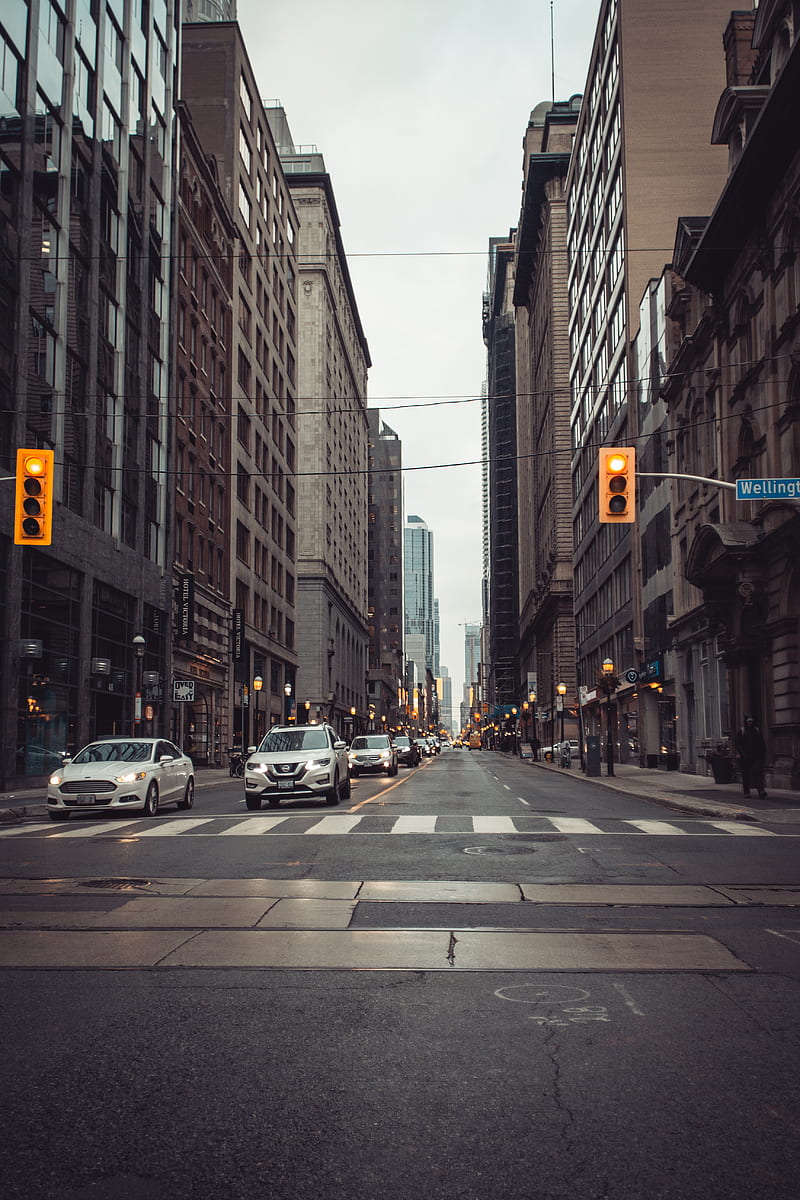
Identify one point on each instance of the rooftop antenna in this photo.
(552, 54)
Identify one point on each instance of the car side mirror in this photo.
(165, 758)
(340, 745)
(251, 749)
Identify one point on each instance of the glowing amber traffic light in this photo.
(617, 488)
(33, 501)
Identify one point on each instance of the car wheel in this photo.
(396, 768)
(346, 789)
(58, 816)
(274, 802)
(332, 797)
(188, 795)
(353, 774)
(151, 800)
(253, 803)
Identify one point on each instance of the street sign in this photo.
(768, 489)
(183, 690)
(632, 676)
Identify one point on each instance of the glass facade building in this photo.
(86, 155)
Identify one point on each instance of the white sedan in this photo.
(117, 774)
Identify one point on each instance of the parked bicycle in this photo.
(237, 763)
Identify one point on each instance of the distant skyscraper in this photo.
(472, 660)
(208, 10)
(418, 594)
(385, 572)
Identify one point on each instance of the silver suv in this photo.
(294, 762)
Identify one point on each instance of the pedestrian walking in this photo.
(752, 751)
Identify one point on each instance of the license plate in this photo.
(285, 785)
(84, 799)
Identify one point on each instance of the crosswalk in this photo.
(369, 824)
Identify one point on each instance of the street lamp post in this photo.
(534, 739)
(307, 709)
(258, 683)
(608, 683)
(138, 650)
(287, 705)
(561, 688)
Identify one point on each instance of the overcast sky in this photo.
(419, 108)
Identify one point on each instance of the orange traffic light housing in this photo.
(617, 485)
(33, 501)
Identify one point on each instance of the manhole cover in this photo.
(120, 885)
(520, 844)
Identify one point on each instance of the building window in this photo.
(246, 98)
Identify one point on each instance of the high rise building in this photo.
(418, 594)
(641, 158)
(472, 669)
(86, 161)
(385, 575)
(332, 435)
(499, 335)
(222, 94)
(546, 621)
(201, 454)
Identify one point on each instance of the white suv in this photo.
(297, 761)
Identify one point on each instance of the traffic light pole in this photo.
(678, 475)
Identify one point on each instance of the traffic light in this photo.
(617, 486)
(33, 503)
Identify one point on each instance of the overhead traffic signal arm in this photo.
(33, 501)
(617, 485)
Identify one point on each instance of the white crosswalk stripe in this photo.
(414, 825)
(252, 826)
(372, 824)
(574, 825)
(657, 827)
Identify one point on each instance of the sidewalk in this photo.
(696, 794)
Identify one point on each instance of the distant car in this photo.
(474, 742)
(407, 751)
(295, 761)
(116, 774)
(423, 746)
(372, 752)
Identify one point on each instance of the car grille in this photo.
(74, 787)
(285, 770)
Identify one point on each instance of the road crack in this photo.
(451, 949)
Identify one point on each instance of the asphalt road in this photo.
(639, 1040)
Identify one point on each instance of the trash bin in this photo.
(593, 758)
(721, 767)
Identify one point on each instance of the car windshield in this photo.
(402, 741)
(378, 742)
(279, 741)
(115, 752)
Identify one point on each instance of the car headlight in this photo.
(131, 777)
(315, 763)
(386, 755)
(257, 766)
(56, 779)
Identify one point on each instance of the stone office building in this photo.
(222, 94)
(733, 392)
